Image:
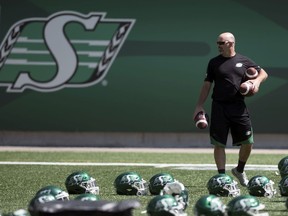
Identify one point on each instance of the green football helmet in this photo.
(261, 186)
(130, 183)
(164, 205)
(209, 205)
(55, 191)
(283, 166)
(158, 181)
(283, 162)
(177, 190)
(245, 205)
(81, 182)
(283, 186)
(223, 185)
(87, 197)
(39, 199)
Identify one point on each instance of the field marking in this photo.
(138, 149)
(156, 165)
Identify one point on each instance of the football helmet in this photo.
(283, 162)
(261, 186)
(39, 199)
(178, 191)
(209, 205)
(87, 197)
(223, 185)
(55, 191)
(158, 181)
(283, 166)
(81, 182)
(283, 186)
(245, 205)
(130, 183)
(164, 205)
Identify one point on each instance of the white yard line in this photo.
(166, 150)
(156, 165)
(144, 150)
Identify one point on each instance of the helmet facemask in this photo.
(90, 186)
(269, 189)
(62, 196)
(141, 187)
(233, 190)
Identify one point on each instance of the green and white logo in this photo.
(64, 50)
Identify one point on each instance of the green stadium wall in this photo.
(153, 71)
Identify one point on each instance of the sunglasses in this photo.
(221, 42)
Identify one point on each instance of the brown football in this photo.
(246, 88)
(251, 73)
(201, 120)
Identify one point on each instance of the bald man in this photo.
(228, 111)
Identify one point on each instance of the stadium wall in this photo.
(129, 140)
(129, 72)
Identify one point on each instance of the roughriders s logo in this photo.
(67, 49)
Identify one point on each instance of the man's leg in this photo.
(244, 152)
(220, 158)
(238, 171)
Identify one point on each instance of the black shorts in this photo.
(233, 116)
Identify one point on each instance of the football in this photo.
(251, 73)
(201, 120)
(246, 88)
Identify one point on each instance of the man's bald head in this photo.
(226, 36)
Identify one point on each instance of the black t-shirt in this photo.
(227, 75)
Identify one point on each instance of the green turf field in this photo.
(19, 183)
